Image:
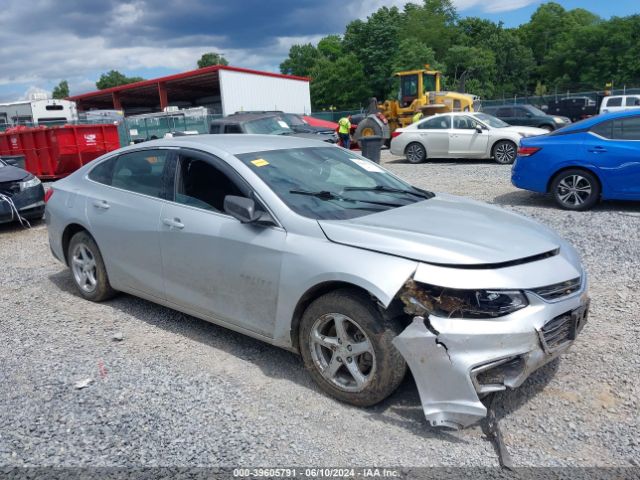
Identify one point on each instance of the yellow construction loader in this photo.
(419, 92)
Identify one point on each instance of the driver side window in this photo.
(202, 185)
(464, 123)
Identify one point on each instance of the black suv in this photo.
(527, 115)
(266, 123)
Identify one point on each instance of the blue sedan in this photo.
(597, 158)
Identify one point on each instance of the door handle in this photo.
(102, 204)
(173, 223)
(597, 150)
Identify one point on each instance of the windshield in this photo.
(268, 126)
(330, 183)
(293, 119)
(491, 120)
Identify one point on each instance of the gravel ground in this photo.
(177, 391)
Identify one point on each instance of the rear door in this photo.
(123, 209)
(213, 264)
(614, 147)
(506, 114)
(434, 135)
(611, 104)
(464, 140)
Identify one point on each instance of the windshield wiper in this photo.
(327, 195)
(382, 188)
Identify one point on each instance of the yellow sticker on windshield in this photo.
(260, 162)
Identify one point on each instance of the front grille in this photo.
(557, 332)
(9, 188)
(558, 290)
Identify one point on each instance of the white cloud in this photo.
(364, 8)
(492, 6)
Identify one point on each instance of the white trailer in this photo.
(38, 112)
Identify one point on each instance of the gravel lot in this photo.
(177, 391)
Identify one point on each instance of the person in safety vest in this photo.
(417, 117)
(344, 128)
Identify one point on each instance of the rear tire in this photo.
(87, 268)
(575, 189)
(415, 153)
(345, 343)
(505, 152)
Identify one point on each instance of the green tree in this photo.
(301, 59)
(331, 47)
(374, 42)
(340, 83)
(113, 78)
(61, 90)
(210, 58)
(471, 69)
(432, 23)
(413, 55)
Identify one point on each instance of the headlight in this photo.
(559, 120)
(32, 182)
(422, 299)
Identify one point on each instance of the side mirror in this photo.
(479, 128)
(244, 209)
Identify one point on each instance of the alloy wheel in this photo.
(505, 153)
(415, 153)
(342, 352)
(574, 190)
(83, 266)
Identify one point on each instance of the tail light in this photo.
(395, 134)
(47, 195)
(527, 151)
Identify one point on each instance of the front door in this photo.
(465, 140)
(123, 209)
(212, 263)
(614, 148)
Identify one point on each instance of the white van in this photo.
(618, 103)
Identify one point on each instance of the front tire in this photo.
(575, 189)
(505, 152)
(87, 268)
(345, 343)
(415, 153)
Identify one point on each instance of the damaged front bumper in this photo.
(456, 361)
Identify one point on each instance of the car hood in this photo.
(526, 131)
(10, 173)
(446, 230)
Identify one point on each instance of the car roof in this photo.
(236, 144)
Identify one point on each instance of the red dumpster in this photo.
(55, 152)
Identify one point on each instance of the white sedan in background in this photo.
(460, 135)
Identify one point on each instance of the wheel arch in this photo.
(316, 292)
(503, 139)
(68, 233)
(575, 167)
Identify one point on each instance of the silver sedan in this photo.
(315, 249)
(460, 135)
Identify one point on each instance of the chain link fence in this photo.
(546, 99)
